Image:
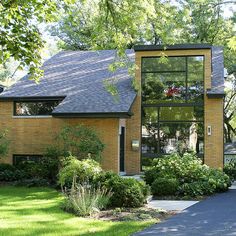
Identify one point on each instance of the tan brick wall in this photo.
(214, 143)
(133, 132)
(213, 116)
(32, 135)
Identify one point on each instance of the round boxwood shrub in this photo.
(165, 186)
(126, 192)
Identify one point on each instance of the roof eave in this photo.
(171, 47)
(31, 98)
(92, 115)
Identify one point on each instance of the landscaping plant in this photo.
(80, 141)
(83, 170)
(127, 192)
(85, 199)
(230, 170)
(186, 176)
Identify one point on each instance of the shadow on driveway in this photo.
(214, 216)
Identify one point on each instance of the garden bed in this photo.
(134, 214)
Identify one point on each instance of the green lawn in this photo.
(36, 211)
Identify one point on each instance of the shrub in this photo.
(32, 169)
(195, 189)
(219, 180)
(127, 192)
(194, 178)
(34, 182)
(230, 170)
(80, 141)
(12, 175)
(165, 186)
(84, 170)
(5, 166)
(84, 200)
(4, 143)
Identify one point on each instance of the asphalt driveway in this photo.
(214, 216)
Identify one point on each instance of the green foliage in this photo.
(127, 192)
(113, 24)
(85, 200)
(5, 166)
(4, 143)
(32, 182)
(194, 178)
(84, 171)
(230, 170)
(80, 141)
(12, 175)
(165, 186)
(43, 205)
(20, 37)
(198, 188)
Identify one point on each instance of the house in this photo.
(229, 152)
(178, 106)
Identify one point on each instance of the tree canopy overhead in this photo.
(20, 37)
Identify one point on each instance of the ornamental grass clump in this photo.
(85, 200)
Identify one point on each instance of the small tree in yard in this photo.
(80, 141)
(4, 143)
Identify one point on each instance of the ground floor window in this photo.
(22, 158)
(172, 129)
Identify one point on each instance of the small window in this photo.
(35, 108)
(21, 159)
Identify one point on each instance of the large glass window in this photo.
(34, 108)
(176, 79)
(172, 105)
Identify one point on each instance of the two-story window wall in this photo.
(172, 105)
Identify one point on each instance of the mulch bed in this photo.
(133, 214)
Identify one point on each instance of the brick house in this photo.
(178, 108)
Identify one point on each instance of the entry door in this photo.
(122, 150)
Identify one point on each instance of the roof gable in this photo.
(79, 77)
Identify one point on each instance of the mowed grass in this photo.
(36, 211)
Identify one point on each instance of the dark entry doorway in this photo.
(122, 150)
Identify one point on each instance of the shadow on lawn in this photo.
(36, 212)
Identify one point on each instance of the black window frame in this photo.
(186, 102)
(36, 158)
(174, 71)
(34, 101)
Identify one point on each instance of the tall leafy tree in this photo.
(106, 24)
(20, 36)
(205, 23)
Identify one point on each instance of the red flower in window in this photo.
(172, 92)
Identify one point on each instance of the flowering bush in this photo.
(191, 174)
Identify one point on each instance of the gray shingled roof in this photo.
(217, 78)
(230, 148)
(78, 76)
